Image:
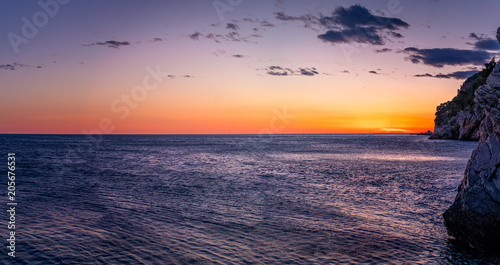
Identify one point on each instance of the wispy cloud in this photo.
(110, 44)
(16, 66)
(454, 75)
(383, 50)
(285, 71)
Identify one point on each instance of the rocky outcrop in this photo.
(462, 118)
(474, 217)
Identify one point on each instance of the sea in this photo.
(233, 199)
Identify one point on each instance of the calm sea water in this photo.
(234, 199)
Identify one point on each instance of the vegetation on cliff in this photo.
(459, 117)
(464, 100)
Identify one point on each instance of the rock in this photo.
(463, 118)
(474, 216)
(498, 35)
(494, 78)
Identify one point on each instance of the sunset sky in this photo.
(237, 66)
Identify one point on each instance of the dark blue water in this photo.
(285, 199)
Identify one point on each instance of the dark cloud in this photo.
(309, 72)
(359, 34)
(283, 71)
(353, 24)
(373, 72)
(16, 66)
(358, 16)
(439, 57)
(482, 42)
(383, 50)
(232, 26)
(238, 56)
(489, 44)
(110, 44)
(454, 75)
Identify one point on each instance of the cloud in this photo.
(232, 26)
(357, 16)
(454, 75)
(439, 57)
(157, 39)
(482, 42)
(283, 71)
(353, 24)
(245, 30)
(195, 36)
(238, 56)
(188, 76)
(383, 50)
(308, 20)
(373, 72)
(231, 36)
(424, 75)
(307, 71)
(266, 24)
(219, 52)
(110, 44)
(16, 66)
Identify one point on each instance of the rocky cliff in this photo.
(461, 118)
(474, 217)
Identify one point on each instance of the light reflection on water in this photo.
(299, 199)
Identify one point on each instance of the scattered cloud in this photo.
(373, 72)
(188, 76)
(383, 50)
(482, 42)
(238, 56)
(283, 71)
(219, 52)
(455, 75)
(245, 30)
(195, 36)
(309, 20)
(439, 57)
(231, 36)
(110, 44)
(16, 66)
(157, 39)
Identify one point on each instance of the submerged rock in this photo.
(474, 217)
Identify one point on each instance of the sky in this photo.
(237, 66)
